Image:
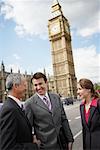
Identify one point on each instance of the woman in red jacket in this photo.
(90, 114)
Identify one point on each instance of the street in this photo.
(73, 115)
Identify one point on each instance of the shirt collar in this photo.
(16, 100)
(93, 102)
(42, 96)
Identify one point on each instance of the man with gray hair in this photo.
(15, 129)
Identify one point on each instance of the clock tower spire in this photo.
(55, 2)
(61, 50)
(56, 9)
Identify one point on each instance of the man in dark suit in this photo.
(15, 129)
(47, 116)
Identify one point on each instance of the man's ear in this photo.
(16, 85)
(47, 82)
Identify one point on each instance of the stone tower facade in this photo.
(61, 50)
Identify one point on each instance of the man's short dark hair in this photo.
(39, 75)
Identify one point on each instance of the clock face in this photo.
(55, 28)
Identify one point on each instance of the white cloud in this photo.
(83, 16)
(47, 69)
(15, 68)
(31, 16)
(16, 56)
(87, 63)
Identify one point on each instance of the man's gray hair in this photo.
(12, 79)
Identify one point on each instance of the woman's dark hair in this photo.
(39, 75)
(87, 84)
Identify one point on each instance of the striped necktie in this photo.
(47, 102)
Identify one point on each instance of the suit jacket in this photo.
(15, 129)
(91, 130)
(47, 123)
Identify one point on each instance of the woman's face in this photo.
(82, 92)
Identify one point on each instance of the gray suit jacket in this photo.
(47, 124)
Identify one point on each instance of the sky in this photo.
(24, 41)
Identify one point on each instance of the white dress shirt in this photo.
(16, 100)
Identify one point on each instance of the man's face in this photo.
(40, 86)
(20, 90)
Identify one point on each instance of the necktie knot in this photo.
(22, 108)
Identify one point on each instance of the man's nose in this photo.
(38, 86)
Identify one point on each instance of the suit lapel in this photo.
(14, 103)
(53, 102)
(83, 116)
(39, 102)
(92, 110)
(20, 111)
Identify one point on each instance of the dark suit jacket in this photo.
(15, 129)
(91, 130)
(47, 124)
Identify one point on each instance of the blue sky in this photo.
(24, 42)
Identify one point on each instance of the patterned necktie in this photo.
(47, 102)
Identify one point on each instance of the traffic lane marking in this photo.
(80, 132)
(78, 117)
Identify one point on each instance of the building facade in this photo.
(30, 90)
(3, 76)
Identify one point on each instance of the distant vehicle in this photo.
(67, 101)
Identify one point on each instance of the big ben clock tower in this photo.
(62, 57)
